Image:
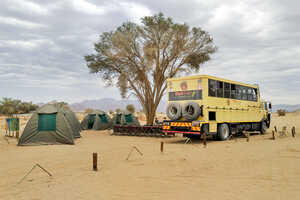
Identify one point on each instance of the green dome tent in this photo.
(125, 118)
(97, 120)
(74, 122)
(49, 125)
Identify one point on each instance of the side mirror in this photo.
(270, 106)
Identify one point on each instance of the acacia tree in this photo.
(139, 58)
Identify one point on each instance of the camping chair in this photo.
(283, 132)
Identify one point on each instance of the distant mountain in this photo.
(288, 108)
(107, 104)
(111, 104)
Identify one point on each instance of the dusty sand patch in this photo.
(235, 169)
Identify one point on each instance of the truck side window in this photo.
(226, 90)
(239, 92)
(212, 116)
(212, 88)
(254, 94)
(250, 94)
(219, 89)
(233, 91)
(244, 91)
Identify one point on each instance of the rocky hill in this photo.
(110, 104)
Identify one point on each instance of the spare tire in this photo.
(174, 111)
(191, 110)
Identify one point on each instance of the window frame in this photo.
(239, 93)
(233, 95)
(218, 88)
(255, 98)
(209, 88)
(244, 93)
(228, 90)
(232, 91)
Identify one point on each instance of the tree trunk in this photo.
(150, 111)
(151, 105)
(150, 117)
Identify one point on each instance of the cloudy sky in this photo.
(42, 44)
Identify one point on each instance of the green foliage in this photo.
(281, 112)
(88, 110)
(139, 58)
(130, 108)
(9, 106)
(118, 110)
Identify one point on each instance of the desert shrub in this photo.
(118, 110)
(281, 112)
(9, 106)
(88, 110)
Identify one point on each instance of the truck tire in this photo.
(191, 110)
(223, 132)
(263, 127)
(174, 111)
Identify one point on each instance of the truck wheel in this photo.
(263, 127)
(191, 110)
(223, 132)
(174, 111)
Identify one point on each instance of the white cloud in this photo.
(89, 8)
(135, 11)
(43, 42)
(28, 7)
(20, 23)
(18, 44)
(29, 44)
(247, 17)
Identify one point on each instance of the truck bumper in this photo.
(182, 128)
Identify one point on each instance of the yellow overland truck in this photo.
(214, 106)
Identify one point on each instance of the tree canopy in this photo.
(139, 58)
(9, 106)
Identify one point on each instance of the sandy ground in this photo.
(235, 169)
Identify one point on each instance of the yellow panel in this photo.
(213, 127)
(227, 110)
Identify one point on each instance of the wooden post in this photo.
(204, 138)
(161, 147)
(293, 131)
(17, 134)
(95, 159)
(248, 136)
(275, 129)
(273, 135)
